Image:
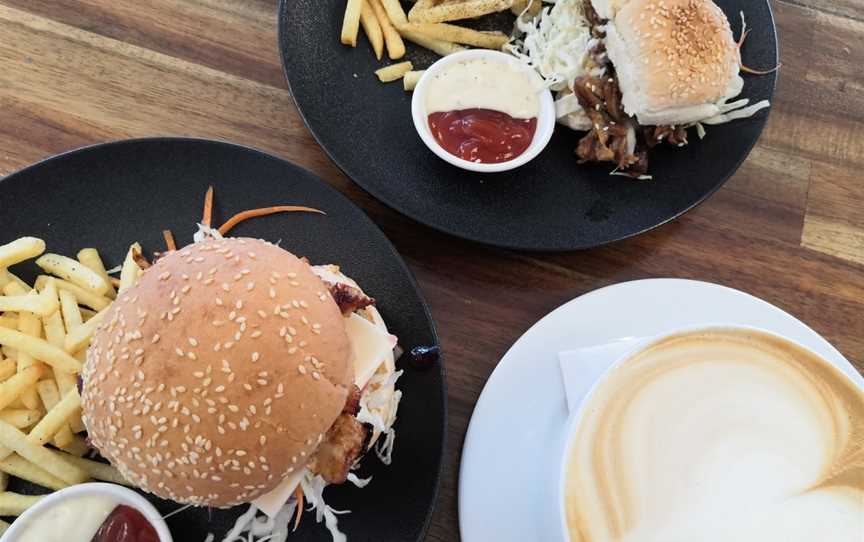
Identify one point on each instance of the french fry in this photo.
(37, 304)
(410, 79)
(458, 34)
(7, 321)
(48, 392)
(4, 481)
(4, 526)
(50, 396)
(393, 71)
(84, 297)
(130, 272)
(16, 441)
(55, 332)
(75, 422)
(395, 12)
(79, 338)
(9, 352)
(53, 329)
(30, 325)
(454, 10)
(395, 45)
(8, 367)
(15, 289)
(533, 7)
(21, 468)
(67, 381)
(6, 277)
(20, 418)
(21, 249)
(443, 48)
(77, 446)
(11, 389)
(90, 258)
(71, 313)
(87, 314)
(39, 349)
(351, 22)
(72, 270)
(63, 437)
(372, 28)
(55, 419)
(14, 504)
(95, 469)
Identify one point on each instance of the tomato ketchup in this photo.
(125, 524)
(482, 135)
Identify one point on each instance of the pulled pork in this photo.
(348, 298)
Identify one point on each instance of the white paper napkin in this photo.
(582, 368)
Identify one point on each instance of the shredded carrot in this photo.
(264, 211)
(169, 240)
(745, 69)
(208, 207)
(298, 494)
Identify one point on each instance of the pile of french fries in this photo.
(45, 330)
(386, 25)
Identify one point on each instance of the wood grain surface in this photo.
(789, 227)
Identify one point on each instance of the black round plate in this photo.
(111, 195)
(550, 204)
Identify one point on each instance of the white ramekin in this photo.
(545, 119)
(120, 494)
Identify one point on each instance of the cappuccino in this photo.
(721, 434)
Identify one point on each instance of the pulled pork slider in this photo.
(677, 61)
(221, 373)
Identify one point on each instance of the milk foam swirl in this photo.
(719, 435)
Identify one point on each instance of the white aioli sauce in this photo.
(483, 84)
(73, 520)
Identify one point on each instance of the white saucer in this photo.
(511, 456)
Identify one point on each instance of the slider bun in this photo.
(675, 59)
(218, 374)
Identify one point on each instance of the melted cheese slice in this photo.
(270, 503)
(371, 345)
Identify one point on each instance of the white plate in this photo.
(511, 457)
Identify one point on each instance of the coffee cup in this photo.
(716, 433)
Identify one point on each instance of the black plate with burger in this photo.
(657, 104)
(248, 379)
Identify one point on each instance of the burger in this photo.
(235, 372)
(637, 73)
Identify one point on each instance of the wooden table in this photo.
(789, 227)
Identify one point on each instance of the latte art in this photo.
(718, 435)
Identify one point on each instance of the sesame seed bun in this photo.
(675, 59)
(218, 373)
